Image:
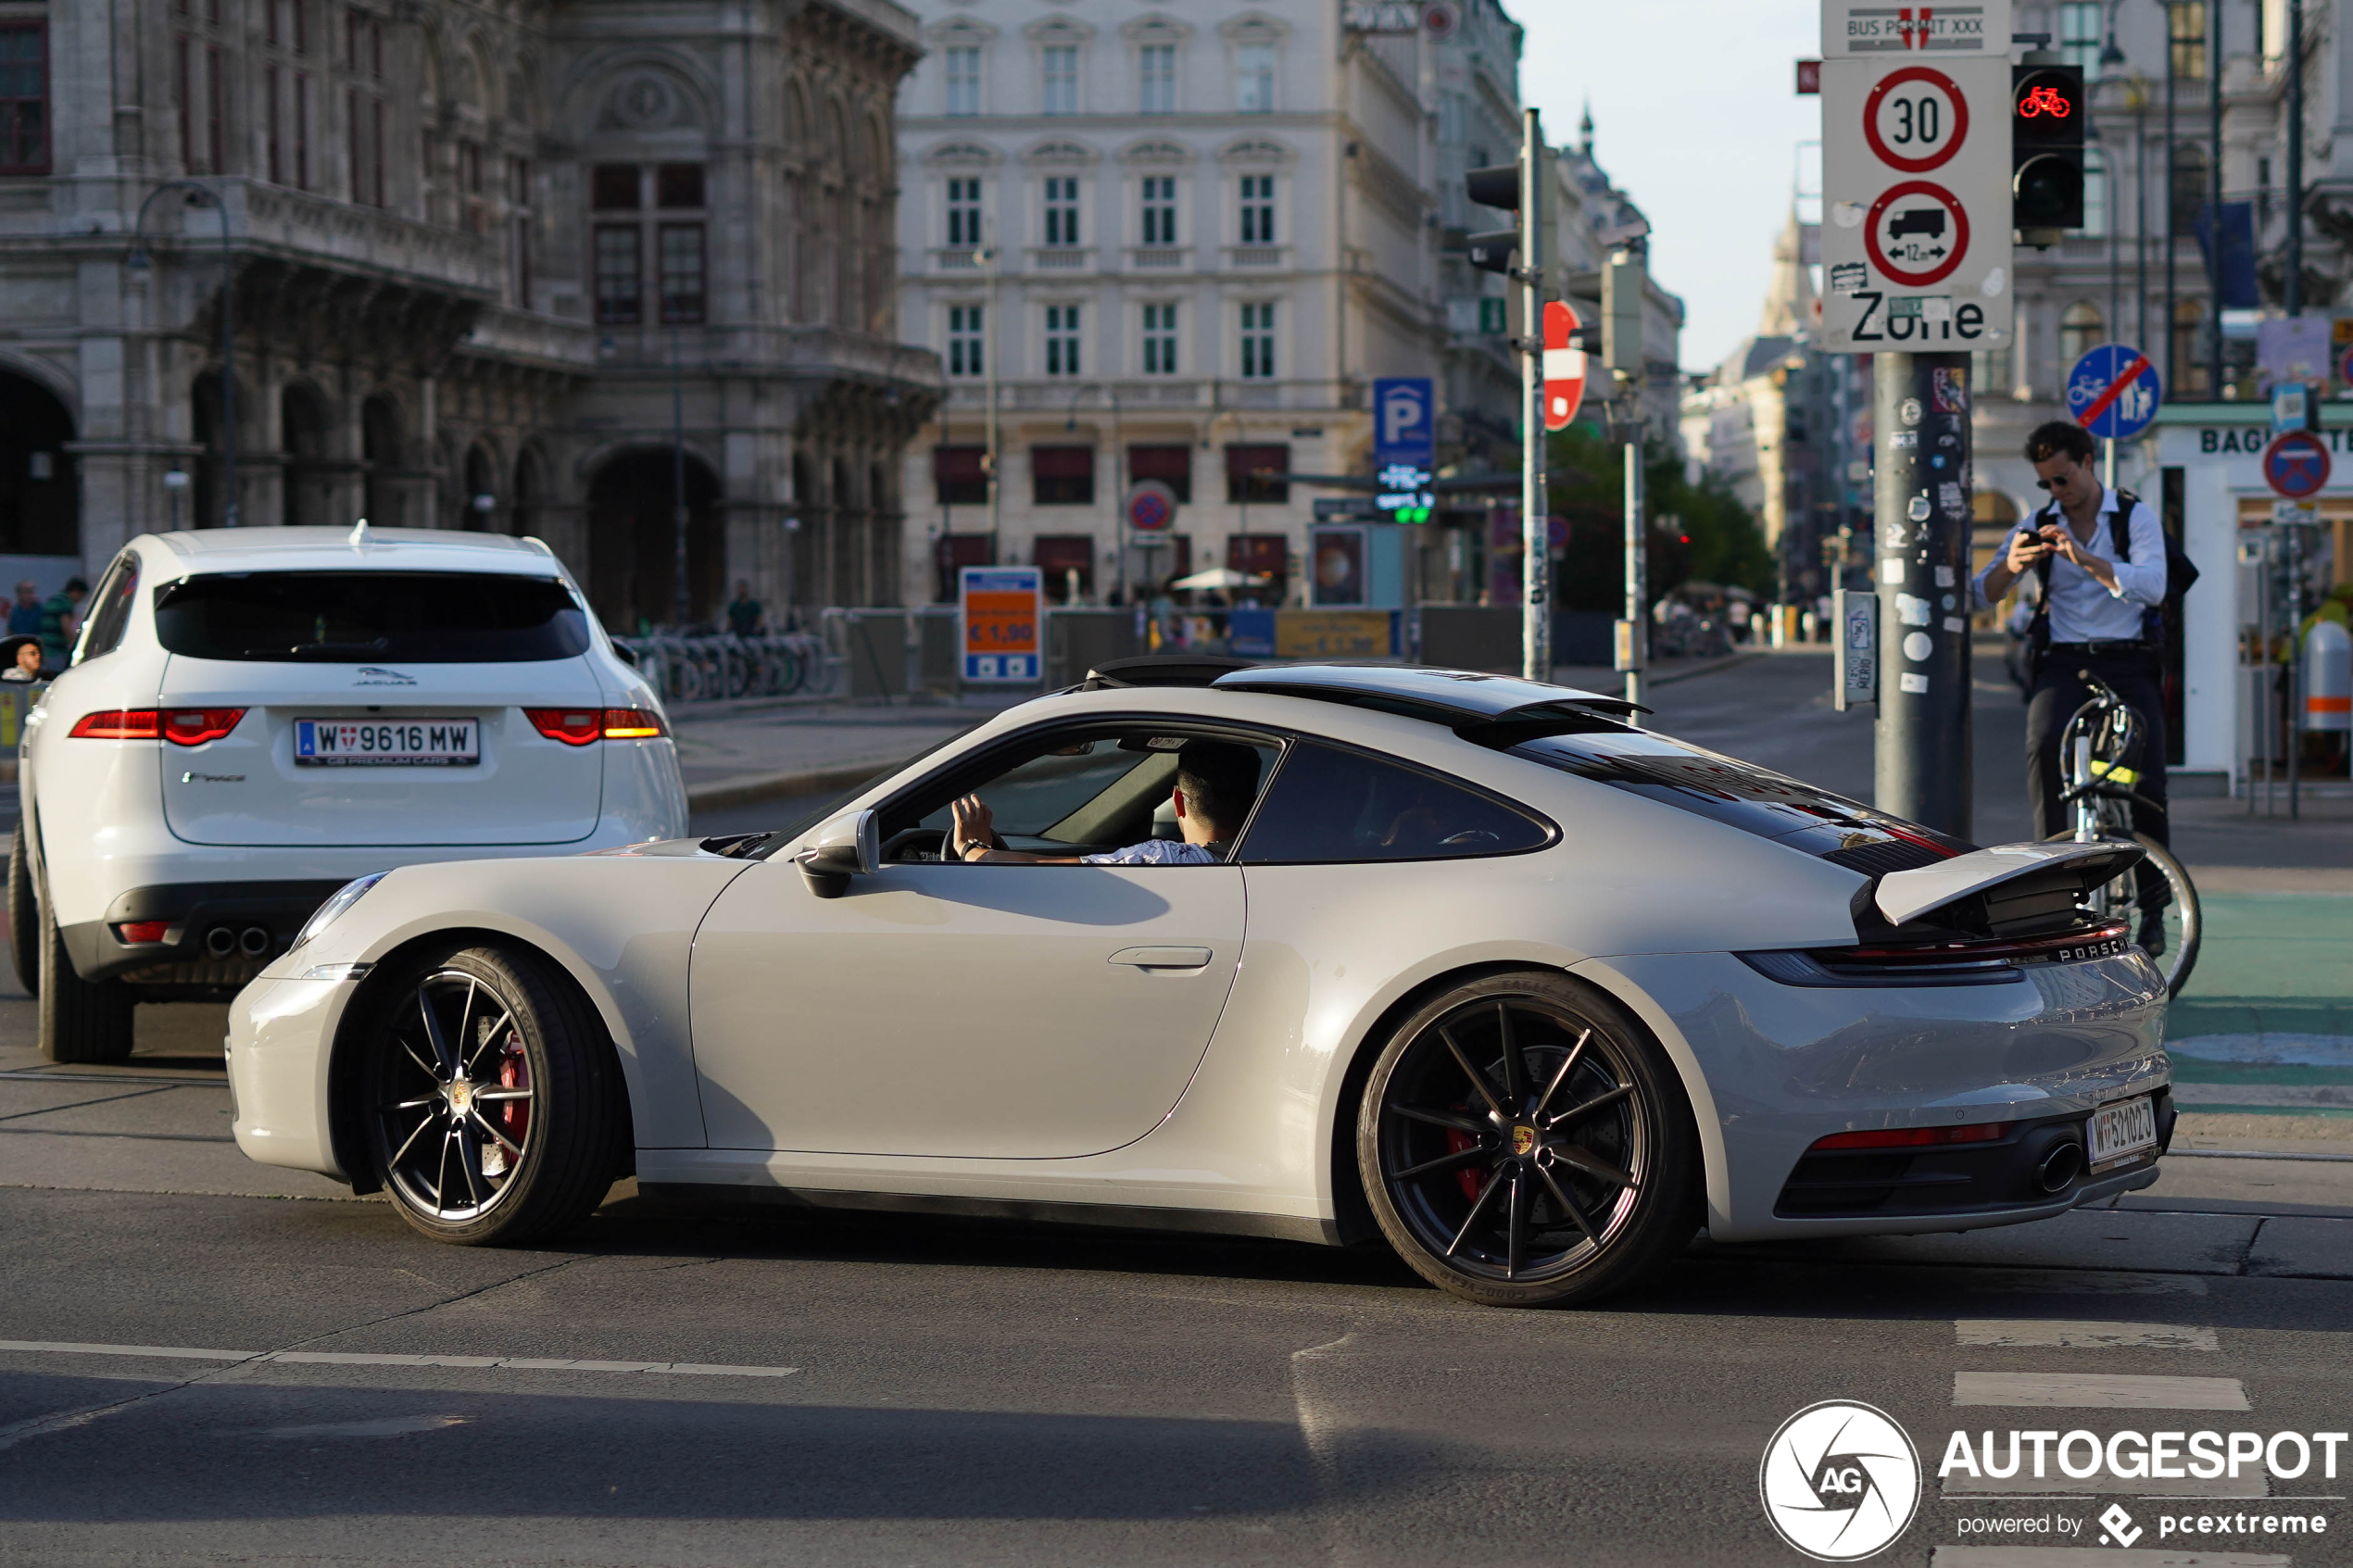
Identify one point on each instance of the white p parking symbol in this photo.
(1401, 414)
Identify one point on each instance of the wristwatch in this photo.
(965, 850)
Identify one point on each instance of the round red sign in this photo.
(1151, 507)
(1916, 118)
(1917, 231)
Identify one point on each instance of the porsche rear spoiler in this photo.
(2032, 871)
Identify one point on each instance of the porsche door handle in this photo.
(1163, 957)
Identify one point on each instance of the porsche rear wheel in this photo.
(493, 1102)
(1524, 1143)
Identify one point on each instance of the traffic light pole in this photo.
(1535, 506)
(1920, 422)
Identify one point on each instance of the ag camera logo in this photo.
(1840, 1481)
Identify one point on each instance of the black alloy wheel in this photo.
(1524, 1143)
(493, 1098)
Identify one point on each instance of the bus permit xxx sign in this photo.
(1000, 612)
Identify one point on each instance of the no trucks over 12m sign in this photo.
(1916, 177)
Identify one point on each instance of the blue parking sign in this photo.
(1404, 423)
(2114, 392)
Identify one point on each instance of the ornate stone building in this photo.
(537, 266)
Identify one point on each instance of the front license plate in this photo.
(2122, 1129)
(387, 743)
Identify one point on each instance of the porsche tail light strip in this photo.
(181, 726)
(1915, 1137)
(1992, 962)
(585, 726)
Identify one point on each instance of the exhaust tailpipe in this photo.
(219, 942)
(254, 941)
(2059, 1168)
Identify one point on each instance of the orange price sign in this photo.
(1002, 614)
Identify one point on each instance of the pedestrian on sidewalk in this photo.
(24, 616)
(61, 622)
(2094, 616)
(743, 612)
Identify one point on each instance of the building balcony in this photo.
(1061, 258)
(1256, 256)
(1143, 259)
(956, 259)
(302, 227)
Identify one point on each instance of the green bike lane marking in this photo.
(2269, 1006)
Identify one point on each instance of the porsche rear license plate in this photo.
(2122, 1130)
(387, 743)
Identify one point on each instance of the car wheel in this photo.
(24, 914)
(1524, 1143)
(81, 1020)
(493, 1101)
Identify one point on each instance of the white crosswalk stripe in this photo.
(2099, 1391)
(2038, 1332)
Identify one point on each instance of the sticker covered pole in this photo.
(1920, 419)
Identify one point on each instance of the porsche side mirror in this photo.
(845, 848)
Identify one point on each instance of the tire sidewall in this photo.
(1664, 1205)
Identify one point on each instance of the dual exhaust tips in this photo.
(223, 941)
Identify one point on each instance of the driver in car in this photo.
(1215, 782)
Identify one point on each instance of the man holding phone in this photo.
(2098, 591)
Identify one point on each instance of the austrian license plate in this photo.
(2119, 1131)
(387, 743)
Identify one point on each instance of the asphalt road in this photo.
(206, 1361)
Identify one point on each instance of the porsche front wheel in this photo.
(493, 1102)
(1523, 1143)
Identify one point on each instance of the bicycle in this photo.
(2102, 742)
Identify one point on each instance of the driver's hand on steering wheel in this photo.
(974, 826)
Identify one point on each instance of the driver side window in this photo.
(1330, 805)
(1065, 793)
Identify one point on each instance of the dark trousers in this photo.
(2055, 695)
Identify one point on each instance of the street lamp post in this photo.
(987, 256)
(679, 602)
(137, 261)
(1118, 485)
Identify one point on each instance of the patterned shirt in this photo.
(1157, 852)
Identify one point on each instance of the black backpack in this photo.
(2180, 576)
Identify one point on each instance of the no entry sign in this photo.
(1564, 365)
(2295, 465)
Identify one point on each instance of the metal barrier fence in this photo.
(711, 668)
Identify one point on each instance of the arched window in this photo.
(2189, 187)
(2081, 330)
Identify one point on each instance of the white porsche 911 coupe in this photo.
(1330, 953)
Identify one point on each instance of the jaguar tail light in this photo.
(181, 726)
(139, 931)
(583, 726)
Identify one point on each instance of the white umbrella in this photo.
(1219, 577)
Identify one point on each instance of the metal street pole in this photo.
(2141, 216)
(2214, 201)
(2172, 206)
(137, 261)
(1921, 767)
(2294, 293)
(1638, 569)
(1535, 507)
(988, 377)
(680, 607)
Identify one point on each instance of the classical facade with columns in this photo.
(545, 266)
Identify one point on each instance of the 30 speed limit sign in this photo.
(1916, 177)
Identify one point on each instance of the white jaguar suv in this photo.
(252, 718)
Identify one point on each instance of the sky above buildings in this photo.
(1697, 116)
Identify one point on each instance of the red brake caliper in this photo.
(513, 1073)
(1457, 1142)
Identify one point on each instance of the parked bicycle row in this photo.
(709, 667)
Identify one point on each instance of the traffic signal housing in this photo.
(1496, 185)
(2046, 149)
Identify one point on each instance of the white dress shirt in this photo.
(2082, 610)
(1156, 852)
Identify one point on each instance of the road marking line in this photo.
(338, 1358)
(2097, 1390)
(2044, 1332)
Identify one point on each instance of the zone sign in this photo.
(1916, 204)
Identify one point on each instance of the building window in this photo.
(619, 274)
(1258, 341)
(1256, 474)
(965, 338)
(1258, 209)
(376, 150)
(1062, 210)
(2188, 368)
(1160, 340)
(1255, 79)
(301, 15)
(302, 129)
(186, 92)
(614, 187)
(1160, 209)
(2080, 23)
(682, 273)
(1061, 476)
(519, 230)
(1172, 465)
(356, 143)
(216, 129)
(1990, 370)
(963, 79)
(2079, 330)
(678, 186)
(963, 212)
(272, 132)
(1061, 340)
(960, 475)
(2189, 187)
(2095, 193)
(1061, 78)
(2188, 33)
(1158, 79)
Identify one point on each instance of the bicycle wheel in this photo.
(2178, 924)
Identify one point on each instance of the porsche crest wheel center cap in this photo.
(1523, 1138)
(461, 1097)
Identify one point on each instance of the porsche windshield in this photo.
(359, 616)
